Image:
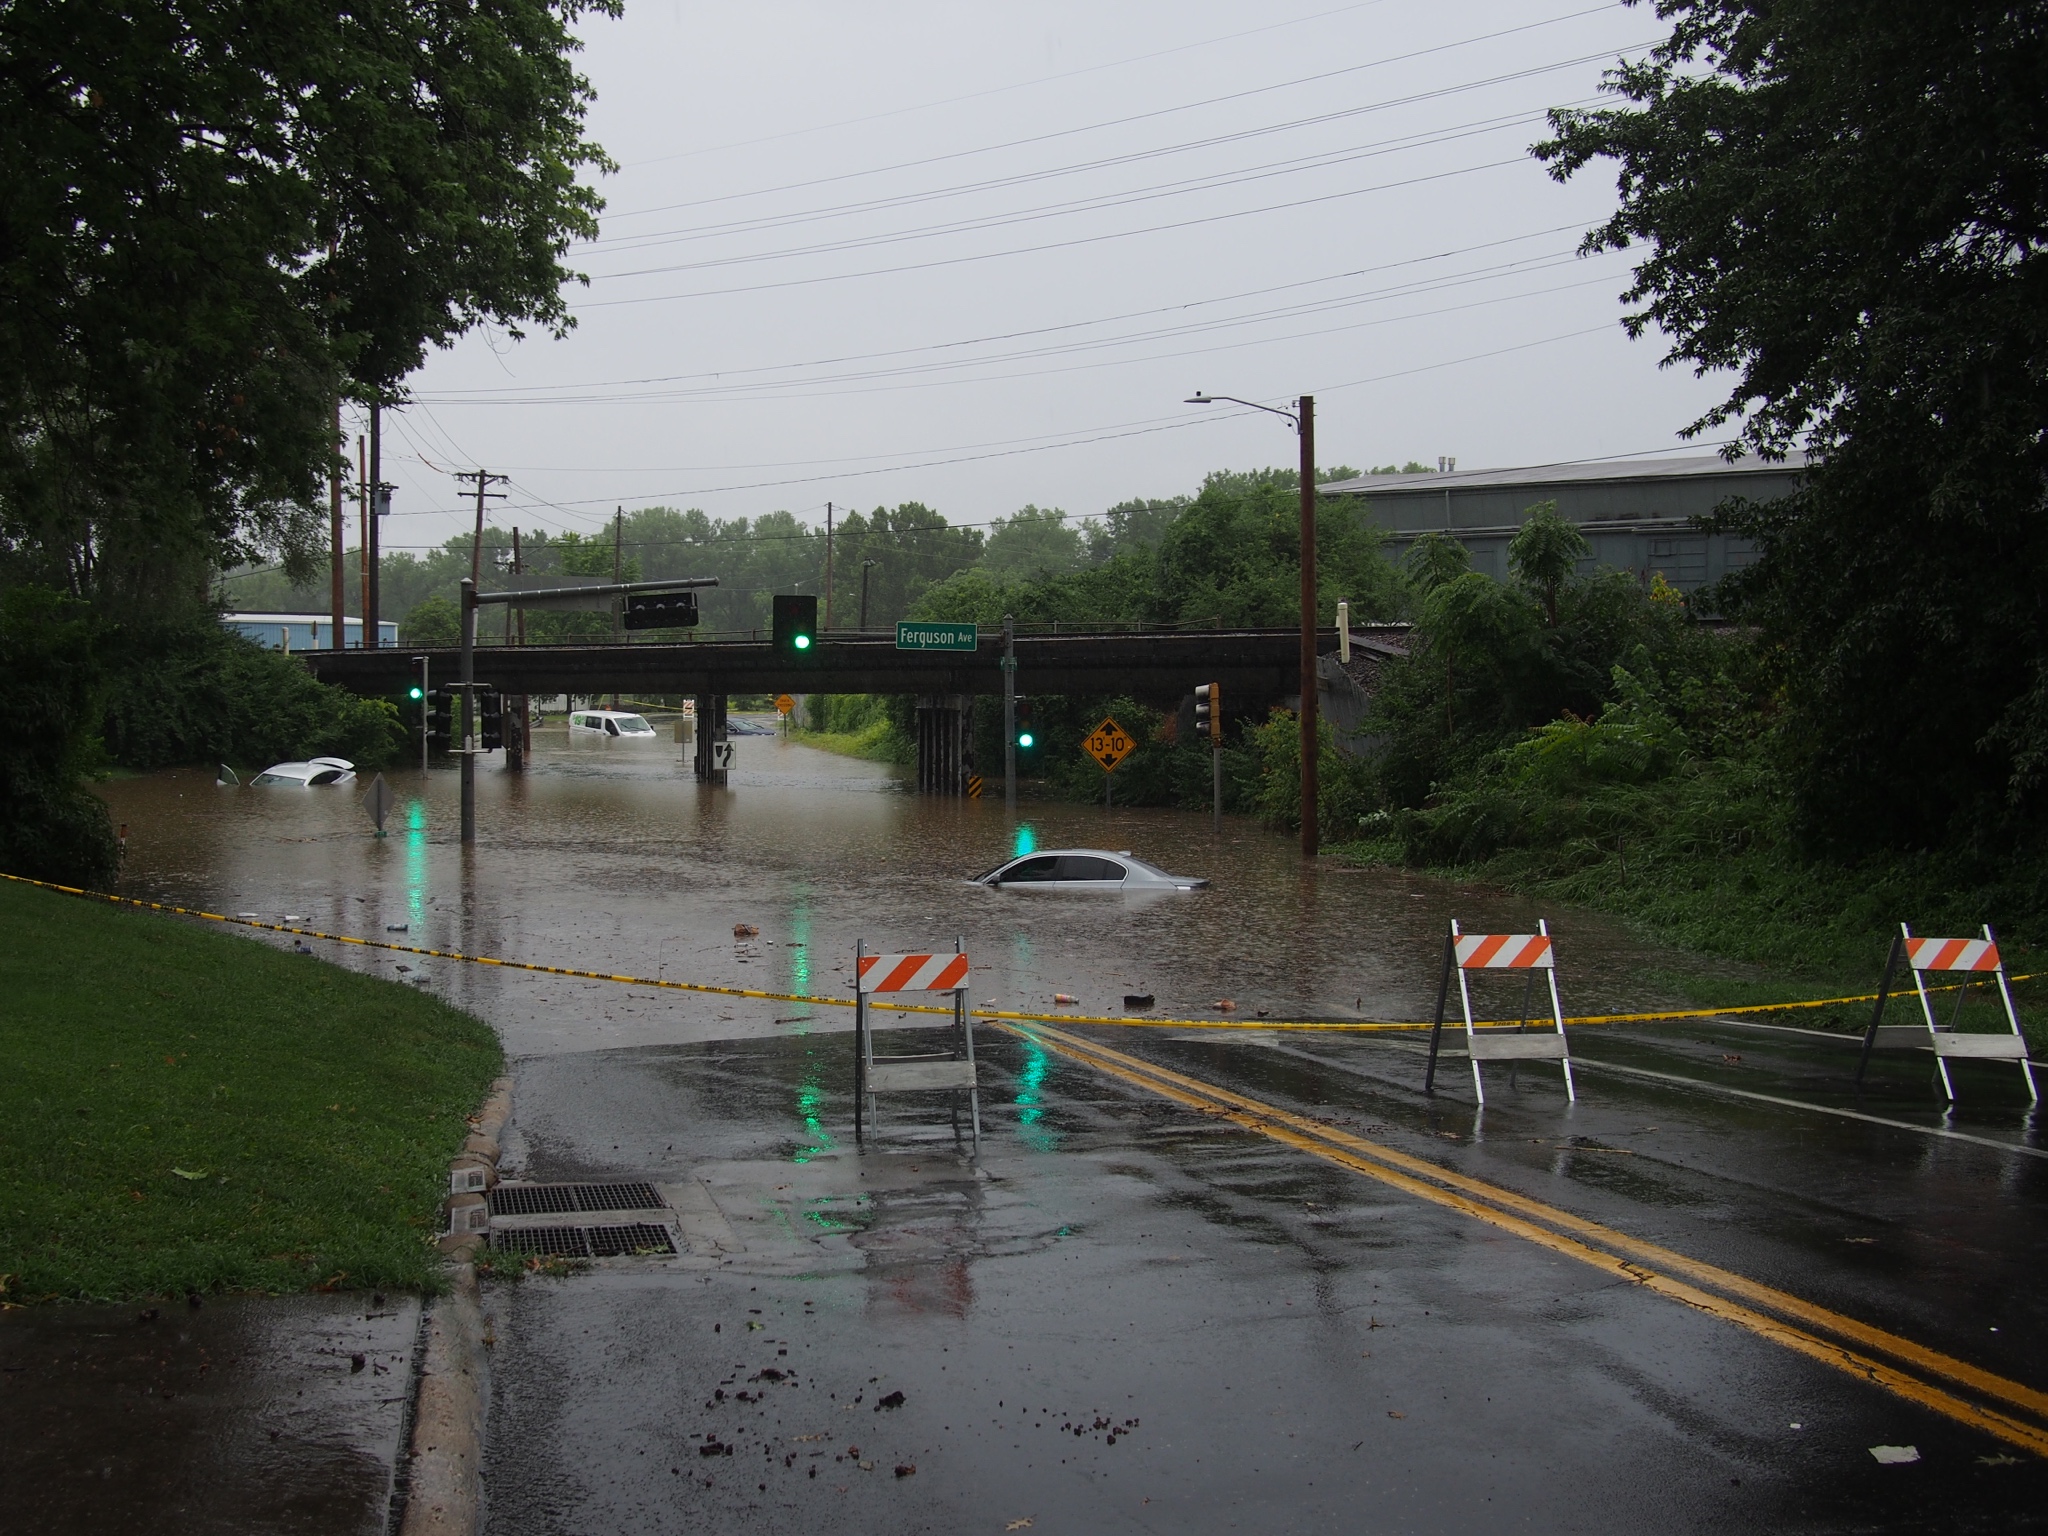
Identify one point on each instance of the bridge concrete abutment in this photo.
(710, 733)
(945, 742)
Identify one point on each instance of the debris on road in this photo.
(1895, 1455)
(745, 931)
(893, 1400)
(1065, 997)
(1137, 999)
(906, 1469)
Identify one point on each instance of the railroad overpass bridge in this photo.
(1258, 668)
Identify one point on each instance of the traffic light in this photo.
(416, 693)
(796, 624)
(440, 706)
(1025, 736)
(661, 610)
(1209, 712)
(491, 705)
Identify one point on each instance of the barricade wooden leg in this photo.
(1471, 1038)
(1891, 966)
(1443, 992)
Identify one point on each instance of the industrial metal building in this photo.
(1636, 514)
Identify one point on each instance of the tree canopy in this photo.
(215, 222)
(1846, 214)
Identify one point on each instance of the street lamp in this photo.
(1304, 422)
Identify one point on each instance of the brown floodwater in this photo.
(609, 856)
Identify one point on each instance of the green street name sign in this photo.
(935, 637)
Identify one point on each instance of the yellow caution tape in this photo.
(1347, 1026)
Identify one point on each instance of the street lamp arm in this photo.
(1198, 398)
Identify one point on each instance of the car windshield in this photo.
(634, 725)
(273, 778)
(1044, 867)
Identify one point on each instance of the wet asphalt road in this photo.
(243, 1414)
(1278, 1342)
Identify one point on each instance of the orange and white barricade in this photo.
(1529, 953)
(935, 1071)
(1972, 959)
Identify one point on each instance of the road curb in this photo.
(444, 1485)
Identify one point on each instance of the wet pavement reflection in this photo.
(1293, 1346)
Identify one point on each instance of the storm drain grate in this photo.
(640, 1237)
(553, 1242)
(585, 1242)
(564, 1199)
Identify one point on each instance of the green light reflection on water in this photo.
(416, 861)
(1027, 840)
(810, 1091)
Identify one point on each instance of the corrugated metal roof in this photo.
(1689, 467)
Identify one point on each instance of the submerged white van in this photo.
(607, 722)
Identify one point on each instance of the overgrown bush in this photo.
(51, 680)
(196, 693)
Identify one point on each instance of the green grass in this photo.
(183, 1109)
(1692, 867)
(877, 742)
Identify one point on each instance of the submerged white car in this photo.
(314, 771)
(608, 722)
(1085, 869)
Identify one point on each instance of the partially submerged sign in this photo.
(377, 801)
(929, 636)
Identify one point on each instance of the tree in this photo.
(1545, 553)
(51, 687)
(1433, 560)
(1034, 542)
(216, 221)
(1847, 215)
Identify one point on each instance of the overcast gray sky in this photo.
(978, 255)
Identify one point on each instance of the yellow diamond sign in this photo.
(1108, 744)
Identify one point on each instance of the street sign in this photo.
(1108, 744)
(974, 786)
(936, 637)
(721, 755)
(784, 704)
(378, 802)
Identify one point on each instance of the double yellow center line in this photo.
(1857, 1349)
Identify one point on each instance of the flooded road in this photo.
(608, 856)
(1137, 1312)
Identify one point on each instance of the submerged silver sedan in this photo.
(1085, 869)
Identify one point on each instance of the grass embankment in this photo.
(184, 1110)
(1800, 929)
(877, 742)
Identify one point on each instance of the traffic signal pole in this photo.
(1311, 835)
(468, 747)
(1009, 714)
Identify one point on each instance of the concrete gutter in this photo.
(444, 1489)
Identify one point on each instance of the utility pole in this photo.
(1010, 714)
(1304, 421)
(363, 533)
(380, 504)
(618, 575)
(468, 748)
(828, 565)
(484, 480)
(1311, 834)
(516, 742)
(865, 566)
(334, 527)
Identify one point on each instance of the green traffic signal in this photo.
(802, 642)
(1025, 738)
(796, 623)
(417, 693)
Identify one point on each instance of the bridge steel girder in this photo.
(1251, 664)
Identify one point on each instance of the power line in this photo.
(1032, 250)
(474, 396)
(1101, 203)
(1140, 117)
(1000, 90)
(962, 189)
